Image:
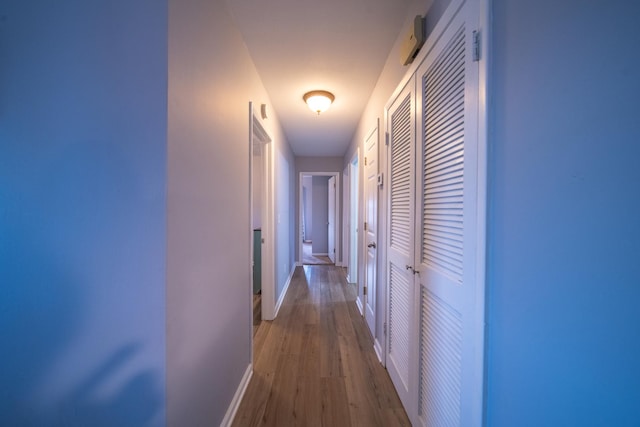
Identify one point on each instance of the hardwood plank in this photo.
(279, 410)
(267, 359)
(330, 357)
(251, 409)
(307, 405)
(292, 340)
(310, 357)
(260, 337)
(335, 408)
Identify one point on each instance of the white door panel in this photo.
(445, 250)
(434, 342)
(400, 248)
(371, 232)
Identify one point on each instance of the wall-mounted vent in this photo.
(413, 41)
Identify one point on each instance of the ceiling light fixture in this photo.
(318, 100)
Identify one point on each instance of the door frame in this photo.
(365, 189)
(259, 136)
(337, 209)
(344, 236)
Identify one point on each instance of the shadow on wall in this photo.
(41, 311)
(135, 404)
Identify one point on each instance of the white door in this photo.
(400, 246)
(435, 313)
(371, 230)
(446, 207)
(331, 222)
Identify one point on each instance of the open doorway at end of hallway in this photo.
(319, 214)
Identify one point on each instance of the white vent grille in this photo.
(442, 227)
(440, 362)
(399, 305)
(401, 178)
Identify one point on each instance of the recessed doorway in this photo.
(319, 213)
(261, 222)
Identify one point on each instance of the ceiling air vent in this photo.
(413, 41)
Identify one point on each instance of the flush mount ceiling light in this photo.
(318, 100)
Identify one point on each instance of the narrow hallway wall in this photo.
(82, 212)
(564, 236)
(211, 81)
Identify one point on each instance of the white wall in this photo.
(82, 212)
(563, 341)
(211, 81)
(286, 184)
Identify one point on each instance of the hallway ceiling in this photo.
(335, 45)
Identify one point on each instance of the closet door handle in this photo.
(371, 245)
(413, 270)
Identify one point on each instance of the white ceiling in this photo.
(335, 45)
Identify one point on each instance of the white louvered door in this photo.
(435, 315)
(400, 247)
(447, 109)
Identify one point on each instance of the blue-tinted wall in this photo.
(82, 212)
(564, 228)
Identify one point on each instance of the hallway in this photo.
(314, 365)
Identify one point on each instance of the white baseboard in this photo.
(378, 349)
(338, 264)
(359, 305)
(284, 291)
(299, 264)
(237, 398)
(319, 254)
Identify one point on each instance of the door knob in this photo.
(413, 270)
(371, 245)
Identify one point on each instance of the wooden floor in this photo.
(315, 364)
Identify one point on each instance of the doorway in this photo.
(261, 222)
(370, 232)
(319, 205)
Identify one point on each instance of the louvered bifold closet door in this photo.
(445, 212)
(401, 238)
